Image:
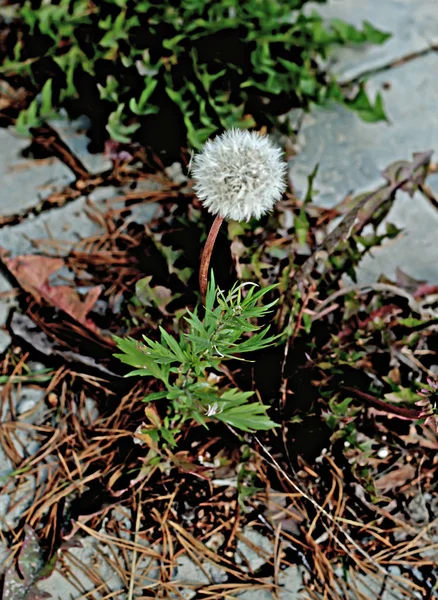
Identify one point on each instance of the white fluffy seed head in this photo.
(239, 175)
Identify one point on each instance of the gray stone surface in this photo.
(6, 302)
(61, 587)
(73, 133)
(253, 548)
(291, 587)
(66, 225)
(412, 23)
(352, 154)
(188, 577)
(414, 251)
(25, 182)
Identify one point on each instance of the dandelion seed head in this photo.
(239, 175)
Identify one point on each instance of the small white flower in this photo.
(212, 409)
(239, 175)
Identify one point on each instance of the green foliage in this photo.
(222, 64)
(117, 129)
(189, 366)
(39, 109)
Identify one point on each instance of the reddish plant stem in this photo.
(206, 256)
(401, 411)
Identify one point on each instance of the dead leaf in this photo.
(67, 299)
(407, 282)
(395, 478)
(157, 296)
(32, 272)
(22, 584)
(426, 290)
(428, 437)
(409, 174)
(10, 96)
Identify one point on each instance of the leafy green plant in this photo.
(39, 109)
(220, 64)
(189, 367)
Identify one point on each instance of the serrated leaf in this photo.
(117, 130)
(136, 355)
(247, 417)
(173, 345)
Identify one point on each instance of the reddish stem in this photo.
(206, 256)
(401, 411)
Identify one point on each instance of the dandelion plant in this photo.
(239, 175)
(190, 367)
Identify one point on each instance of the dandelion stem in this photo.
(206, 256)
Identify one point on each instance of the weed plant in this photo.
(171, 74)
(190, 367)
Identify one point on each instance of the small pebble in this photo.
(383, 452)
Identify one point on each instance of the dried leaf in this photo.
(407, 282)
(32, 272)
(395, 478)
(10, 96)
(30, 561)
(157, 296)
(409, 175)
(428, 437)
(32, 568)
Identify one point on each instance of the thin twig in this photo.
(405, 413)
(134, 552)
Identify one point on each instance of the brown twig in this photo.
(402, 412)
(206, 256)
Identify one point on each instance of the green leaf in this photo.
(310, 185)
(117, 130)
(137, 355)
(155, 396)
(46, 98)
(173, 345)
(301, 225)
(38, 111)
(247, 417)
(142, 107)
(364, 107)
(373, 35)
(110, 91)
(413, 323)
